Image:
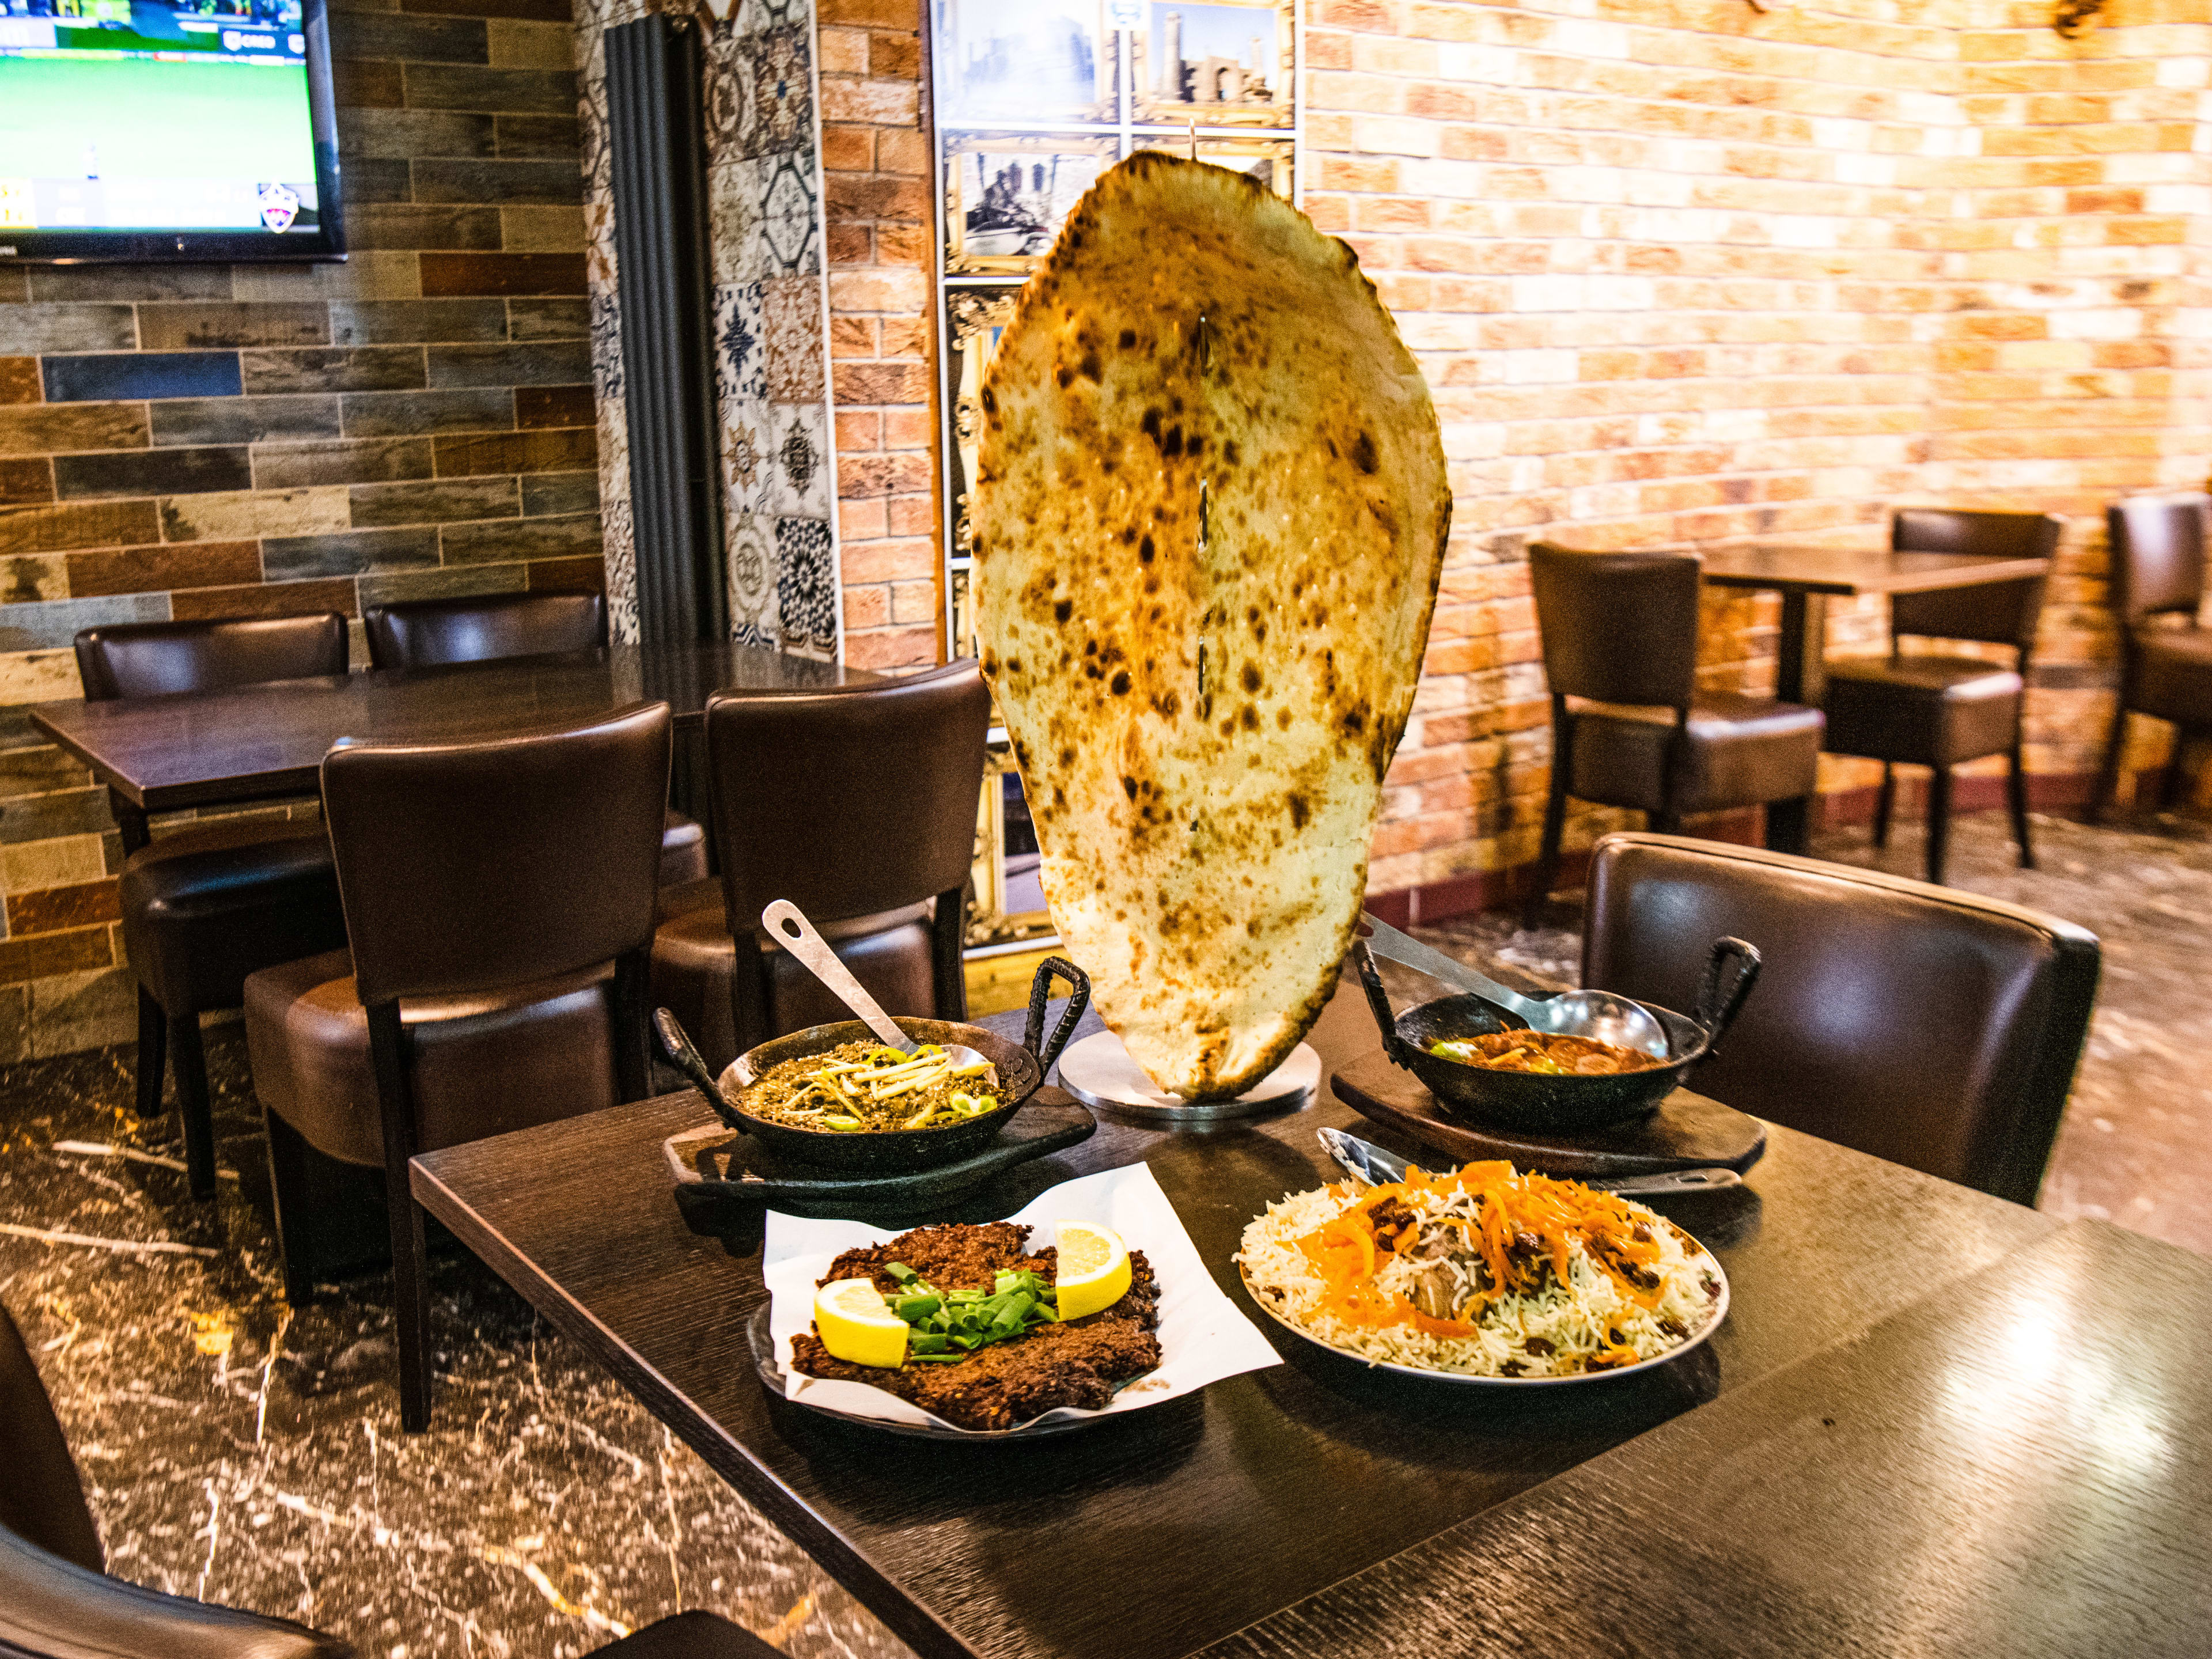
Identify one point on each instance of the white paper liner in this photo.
(1202, 1337)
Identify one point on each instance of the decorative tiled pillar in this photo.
(770, 319)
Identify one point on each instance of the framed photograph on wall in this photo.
(1266, 160)
(1217, 64)
(975, 317)
(1024, 60)
(1006, 196)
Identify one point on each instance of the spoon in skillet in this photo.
(1600, 1015)
(788, 923)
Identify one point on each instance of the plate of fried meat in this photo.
(1089, 1301)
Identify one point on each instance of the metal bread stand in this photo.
(1099, 1073)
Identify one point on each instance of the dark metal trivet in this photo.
(1687, 1131)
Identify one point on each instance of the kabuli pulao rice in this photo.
(1483, 1272)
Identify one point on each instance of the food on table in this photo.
(1094, 1269)
(857, 1087)
(1209, 518)
(857, 1325)
(1033, 1365)
(1546, 1052)
(1483, 1271)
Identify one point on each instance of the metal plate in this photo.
(1266, 1305)
(1099, 1073)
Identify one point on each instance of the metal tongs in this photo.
(1372, 1165)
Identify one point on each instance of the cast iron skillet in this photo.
(1022, 1068)
(1531, 1101)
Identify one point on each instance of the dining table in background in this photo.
(267, 741)
(1932, 1419)
(1806, 577)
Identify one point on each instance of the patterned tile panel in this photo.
(771, 370)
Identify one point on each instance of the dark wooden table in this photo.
(262, 742)
(1991, 1421)
(1806, 576)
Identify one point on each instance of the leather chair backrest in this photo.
(479, 865)
(422, 632)
(2157, 554)
(41, 1499)
(146, 660)
(1922, 1024)
(1618, 627)
(2001, 613)
(848, 801)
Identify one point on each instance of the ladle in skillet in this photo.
(788, 923)
(1599, 1015)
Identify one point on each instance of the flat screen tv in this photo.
(167, 130)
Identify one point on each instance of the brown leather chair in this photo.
(1930, 1027)
(1621, 631)
(208, 903)
(499, 899)
(2157, 580)
(430, 633)
(857, 805)
(57, 1601)
(1924, 709)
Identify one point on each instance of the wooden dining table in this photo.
(1806, 576)
(267, 741)
(1933, 1422)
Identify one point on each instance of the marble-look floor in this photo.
(239, 1449)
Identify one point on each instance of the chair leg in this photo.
(626, 1000)
(1547, 852)
(1787, 824)
(948, 931)
(287, 1187)
(188, 1060)
(153, 1055)
(2175, 790)
(1939, 822)
(1885, 803)
(2108, 775)
(2016, 797)
(410, 1253)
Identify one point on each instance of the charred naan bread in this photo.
(1209, 518)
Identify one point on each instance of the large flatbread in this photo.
(1209, 518)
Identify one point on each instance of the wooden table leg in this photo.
(1801, 654)
(130, 820)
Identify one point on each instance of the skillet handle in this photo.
(1378, 1002)
(1079, 999)
(1730, 972)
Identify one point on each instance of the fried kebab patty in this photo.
(1077, 1363)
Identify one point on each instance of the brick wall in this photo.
(218, 441)
(877, 204)
(1682, 272)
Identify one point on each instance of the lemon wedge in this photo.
(1094, 1269)
(854, 1324)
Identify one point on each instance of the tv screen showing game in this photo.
(167, 130)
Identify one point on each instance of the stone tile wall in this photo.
(883, 353)
(218, 441)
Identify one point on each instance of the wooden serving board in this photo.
(1688, 1131)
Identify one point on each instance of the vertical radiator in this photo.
(656, 137)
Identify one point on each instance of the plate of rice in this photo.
(1484, 1275)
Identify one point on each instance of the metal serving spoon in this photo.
(1596, 1014)
(796, 934)
(1371, 1164)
